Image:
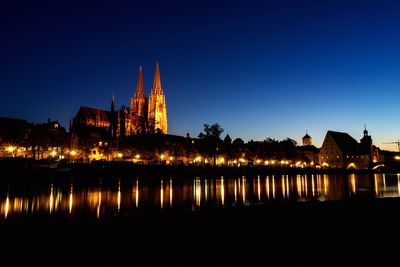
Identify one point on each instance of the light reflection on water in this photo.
(130, 195)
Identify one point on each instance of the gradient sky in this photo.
(259, 68)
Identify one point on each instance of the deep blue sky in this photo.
(259, 68)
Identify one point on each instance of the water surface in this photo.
(114, 196)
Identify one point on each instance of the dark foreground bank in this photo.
(351, 232)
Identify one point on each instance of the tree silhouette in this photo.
(211, 140)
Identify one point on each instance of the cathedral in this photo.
(146, 115)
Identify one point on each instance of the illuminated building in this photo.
(340, 150)
(157, 107)
(308, 150)
(145, 115)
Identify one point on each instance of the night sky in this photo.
(259, 68)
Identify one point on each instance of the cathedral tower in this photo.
(139, 101)
(157, 107)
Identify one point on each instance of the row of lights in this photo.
(11, 149)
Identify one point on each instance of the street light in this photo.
(11, 150)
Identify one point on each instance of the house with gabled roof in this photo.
(340, 150)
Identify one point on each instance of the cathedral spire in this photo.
(157, 89)
(140, 87)
(113, 102)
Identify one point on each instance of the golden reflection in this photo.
(298, 185)
(312, 184)
(70, 198)
(319, 184)
(398, 183)
(273, 187)
(101, 201)
(119, 195)
(222, 191)
(26, 205)
(99, 204)
(7, 207)
(384, 182)
(37, 203)
(51, 200)
(205, 189)
(137, 193)
(170, 192)
(244, 189)
(197, 189)
(305, 185)
(17, 205)
(58, 200)
(287, 186)
(353, 183)
(326, 182)
(194, 189)
(235, 190)
(162, 194)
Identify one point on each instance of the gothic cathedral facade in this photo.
(146, 115)
(152, 111)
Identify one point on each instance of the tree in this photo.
(213, 131)
(211, 138)
(288, 148)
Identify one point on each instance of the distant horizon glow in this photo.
(258, 68)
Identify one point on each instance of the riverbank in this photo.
(351, 232)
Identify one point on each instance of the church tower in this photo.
(307, 140)
(157, 107)
(139, 101)
(366, 146)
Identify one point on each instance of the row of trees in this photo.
(35, 138)
(212, 145)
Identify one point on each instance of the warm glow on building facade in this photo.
(157, 107)
(145, 114)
